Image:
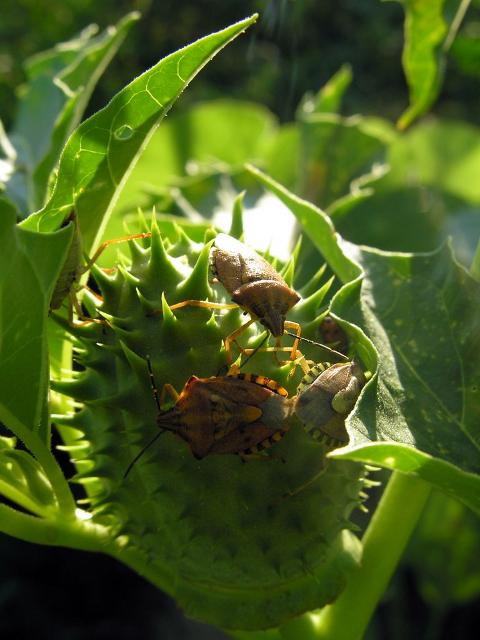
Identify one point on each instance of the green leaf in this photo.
(421, 413)
(317, 226)
(425, 32)
(193, 143)
(30, 264)
(329, 98)
(103, 150)
(336, 150)
(60, 83)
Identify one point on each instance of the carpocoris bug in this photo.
(255, 286)
(240, 413)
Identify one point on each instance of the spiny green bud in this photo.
(243, 544)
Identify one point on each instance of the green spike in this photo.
(296, 250)
(313, 283)
(184, 243)
(288, 271)
(196, 286)
(108, 284)
(236, 227)
(310, 306)
(161, 265)
(168, 316)
(138, 254)
(144, 225)
(149, 306)
(128, 276)
(210, 234)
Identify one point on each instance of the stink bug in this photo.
(239, 414)
(73, 269)
(255, 287)
(325, 397)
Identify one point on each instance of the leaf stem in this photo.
(384, 542)
(76, 533)
(42, 453)
(455, 24)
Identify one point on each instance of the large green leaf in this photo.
(420, 413)
(429, 32)
(421, 313)
(30, 263)
(103, 150)
(59, 84)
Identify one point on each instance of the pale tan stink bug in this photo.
(254, 285)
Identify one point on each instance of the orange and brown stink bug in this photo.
(254, 285)
(73, 269)
(239, 414)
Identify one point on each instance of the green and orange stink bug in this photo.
(240, 414)
(254, 285)
(325, 397)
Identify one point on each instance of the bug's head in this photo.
(269, 301)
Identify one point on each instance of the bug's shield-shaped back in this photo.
(323, 405)
(223, 415)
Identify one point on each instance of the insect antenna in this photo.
(319, 344)
(224, 368)
(153, 386)
(254, 350)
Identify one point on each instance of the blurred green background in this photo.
(297, 46)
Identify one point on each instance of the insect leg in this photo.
(91, 261)
(298, 331)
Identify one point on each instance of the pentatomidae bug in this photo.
(325, 397)
(240, 413)
(74, 267)
(244, 414)
(255, 286)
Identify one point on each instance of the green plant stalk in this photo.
(76, 533)
(23, 499)
(50, 466)
(384, 542)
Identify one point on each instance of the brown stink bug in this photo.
(255, 286)
(239, 414)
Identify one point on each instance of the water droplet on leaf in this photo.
(125, 132)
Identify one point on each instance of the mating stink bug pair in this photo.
(244, 414)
